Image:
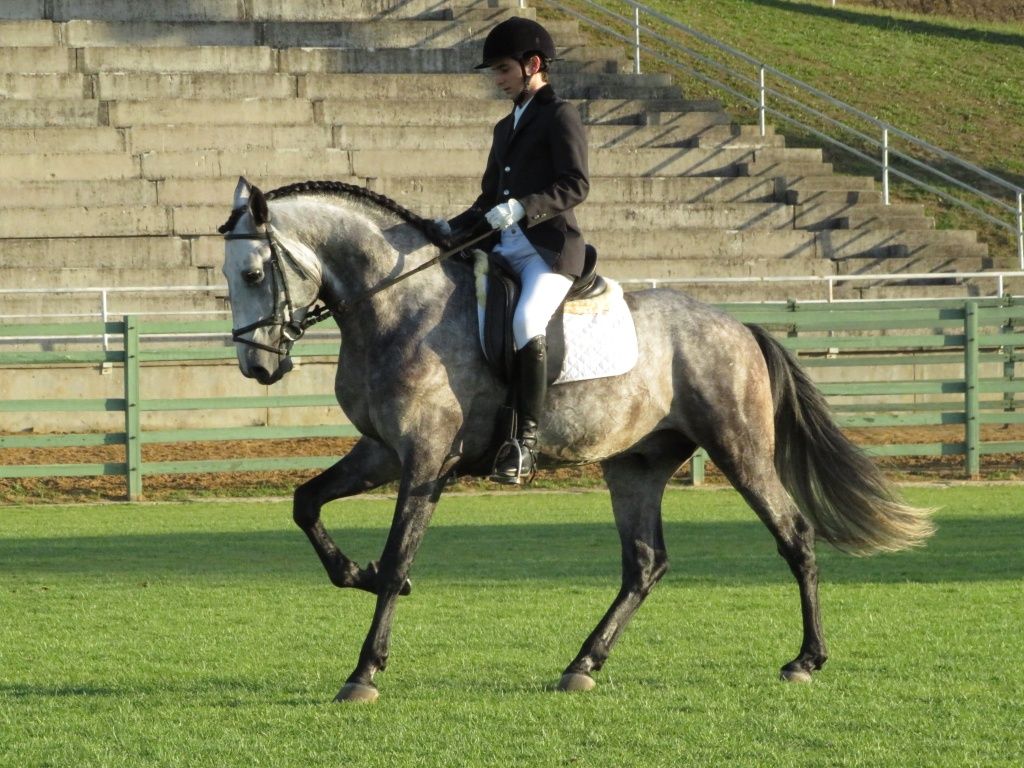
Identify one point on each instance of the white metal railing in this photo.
(772, 92)
(831, 281)
(105, 313)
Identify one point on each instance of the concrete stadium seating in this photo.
(124, 127)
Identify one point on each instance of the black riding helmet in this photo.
(517, 38)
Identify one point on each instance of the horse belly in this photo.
(589, 421)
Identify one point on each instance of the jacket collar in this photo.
(544, 96)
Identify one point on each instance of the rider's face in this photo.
(508, 74)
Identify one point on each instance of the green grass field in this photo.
(206, 634)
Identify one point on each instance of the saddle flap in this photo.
(503, 289)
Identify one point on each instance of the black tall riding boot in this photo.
(515, 462)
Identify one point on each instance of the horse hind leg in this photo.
(637, 483)
(755, 477)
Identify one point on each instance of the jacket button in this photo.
(505, 192)
(507, 169)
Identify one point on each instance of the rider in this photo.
(536, 174)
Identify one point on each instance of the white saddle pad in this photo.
(600, 338)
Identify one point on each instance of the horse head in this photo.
(273, 281)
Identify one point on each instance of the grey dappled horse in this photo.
(412, 379)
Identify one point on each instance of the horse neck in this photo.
(364, 255)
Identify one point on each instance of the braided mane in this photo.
(426, 226)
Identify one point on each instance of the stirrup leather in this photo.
(514, 464)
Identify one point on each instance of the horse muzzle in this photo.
(265, 375)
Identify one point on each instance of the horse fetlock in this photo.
(343, 573)
(801, 668)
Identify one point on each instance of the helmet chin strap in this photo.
(524, 94)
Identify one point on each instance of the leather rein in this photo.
(284, 312)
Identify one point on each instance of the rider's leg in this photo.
(543, 292)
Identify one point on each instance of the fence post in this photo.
(132, 420)
(972, 431)
(1020, 228)
(697, 462)
(636, 39)
(885, 166)
(762, 101)
(1009, 360)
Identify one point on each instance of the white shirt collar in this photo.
(519, 111)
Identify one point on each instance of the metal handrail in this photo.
(761, 94)
(105, 314)
(830, 281)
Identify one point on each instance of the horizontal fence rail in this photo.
(896, 364)
(991, 283)
(891, 152)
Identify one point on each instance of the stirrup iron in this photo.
(521, 454)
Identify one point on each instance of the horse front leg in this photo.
(368, 465)
(421, 487)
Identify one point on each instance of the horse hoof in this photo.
(576, 681)
(357, 692)
(795, 675)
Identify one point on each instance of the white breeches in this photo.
(543, 290)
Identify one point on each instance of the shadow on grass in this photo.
(711, 553)
(880, 21)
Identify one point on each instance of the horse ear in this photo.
(242, 192)
(258, 207)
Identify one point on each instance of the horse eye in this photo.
(252, 276)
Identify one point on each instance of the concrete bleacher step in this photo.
(315, 86)
(37, 60)
(15, 277)
(449, 194)
(386, 162)
(595, 218)
(468, 29)
(934, 246)
(39, 113)
(61, 140)
(417, 110)
(856, 215)
(455, 193)
(382, 60)
(141, 253)
(668, 267)
(251, 10)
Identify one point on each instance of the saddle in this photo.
(503, 290)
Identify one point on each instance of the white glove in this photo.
(504, 215)
(443, 227)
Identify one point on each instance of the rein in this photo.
(284, 312)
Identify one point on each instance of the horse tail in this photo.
(841, 490)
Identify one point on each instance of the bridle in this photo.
(284, 312)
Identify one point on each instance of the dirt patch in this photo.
(277, 483)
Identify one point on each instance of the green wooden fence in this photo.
(892, 364)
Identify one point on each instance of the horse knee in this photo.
(305, 509)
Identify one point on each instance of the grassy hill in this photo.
(956, 84)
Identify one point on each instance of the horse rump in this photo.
(834, 483)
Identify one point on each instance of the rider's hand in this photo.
(504, 215)
(443, 227)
